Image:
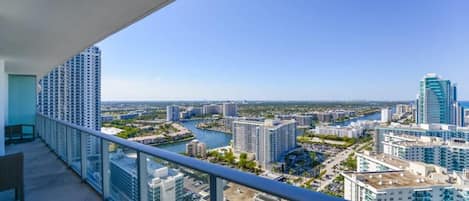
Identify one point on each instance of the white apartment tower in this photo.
(172, 113)
(268, 140)
(72, 91)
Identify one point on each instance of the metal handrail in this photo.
(268, 186)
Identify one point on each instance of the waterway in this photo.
(373, 116)
(213, 139)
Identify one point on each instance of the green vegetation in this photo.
(323, 172)
(351, 163)
(228, 157)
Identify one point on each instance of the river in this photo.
(213, 139)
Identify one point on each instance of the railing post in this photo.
(83, 155)
(216, 188)
(105, 168)
(56, 133)
(68, 142)
(142, 176)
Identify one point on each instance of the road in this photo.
(329, 167)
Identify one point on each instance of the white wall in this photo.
(3, 105)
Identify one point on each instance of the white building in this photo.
(195, 148)
(163, 183)
(403, 109)
(230, 109)
(384, 177)
(211, 109)
(394, 185)
(172, 113)
(268, 140)
(72, 91)
(350, 132)
(466, 117)
(386, 115)
(450, 154)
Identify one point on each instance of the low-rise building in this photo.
(107, 118)
(128, 116)
(339, 131)
(394, 186)
(444, 131)
(432, 150)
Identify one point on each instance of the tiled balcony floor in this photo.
(47, 178)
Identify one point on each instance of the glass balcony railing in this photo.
(122, 170)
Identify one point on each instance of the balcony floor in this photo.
(47, 178)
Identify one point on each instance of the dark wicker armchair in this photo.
(11, 174)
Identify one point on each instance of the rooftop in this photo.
(396, 162)
(395, 179)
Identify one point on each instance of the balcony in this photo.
(69, 162)
(117, 169)
(48, 178)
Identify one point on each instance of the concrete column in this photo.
(3, 105)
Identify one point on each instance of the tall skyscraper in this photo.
(268, 140)
(230, 109)
(72, 91)
(437, 100)
(172, 113)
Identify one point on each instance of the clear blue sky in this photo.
(288, 50)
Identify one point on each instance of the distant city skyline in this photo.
(304, 50)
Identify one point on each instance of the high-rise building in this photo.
(195, 148)
(72, 91)
(268, 140)
(163, 183)
(466, 117)
(230, 109)
(172, 113)
(386, 115)
(436, 101)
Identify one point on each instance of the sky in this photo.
(287, 50)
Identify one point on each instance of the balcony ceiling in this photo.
(36, 35)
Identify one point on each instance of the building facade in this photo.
(230, 109)
(268, 140)
(386, 115)
(446, 132)
(450, 154)
(163, 183)
(436, 102)
(195, 148)
(350, 132)
(172, 113)
(72, 91)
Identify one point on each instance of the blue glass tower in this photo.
(436, 101)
